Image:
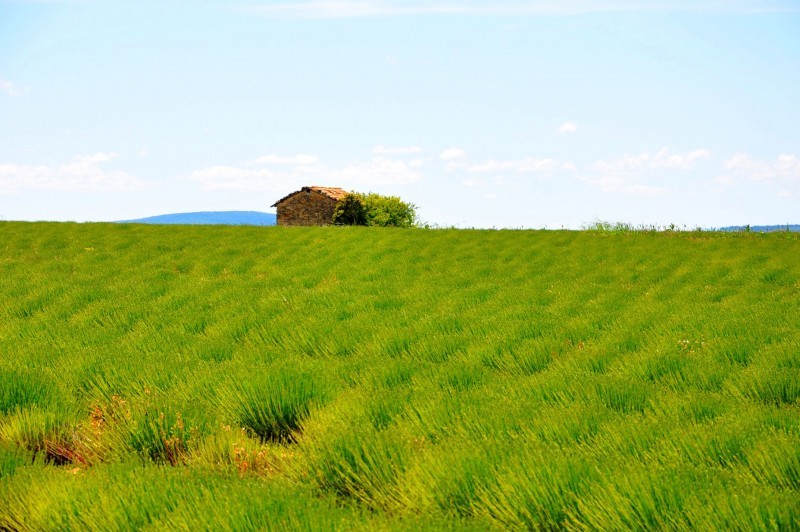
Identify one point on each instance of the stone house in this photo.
(309, 206)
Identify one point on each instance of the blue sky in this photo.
(484, 114)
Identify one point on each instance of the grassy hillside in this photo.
(338, 378)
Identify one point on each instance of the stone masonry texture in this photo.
(307, 207)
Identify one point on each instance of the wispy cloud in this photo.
(660, 160)
(378, 171)
(333, 9)
(528, 165)
(452, 153)
(500, 172)
(633, 174)
(236, 178)
(623, 185)
(10, 88)
(643, 174)
(289, 172)
(568, 127)
(83, 173)
(786, 166)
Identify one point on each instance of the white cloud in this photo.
(786, 166)
(661, 160)
(378, 171)
(568, 127)
(500, 167)
(521, 166)
(333, 9)
(380, 149)
(744, 165)
(622, 184)
(308, 170)
(627, 163)
(785, 194)
(630, 174)
(679, 162)
(293, 159)
(82, 173)
(235, 178)
(452, 153)
(10, 88)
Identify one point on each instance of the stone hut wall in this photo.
(307, 207)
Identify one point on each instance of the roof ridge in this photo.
(334, 193)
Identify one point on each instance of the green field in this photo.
(340, 378)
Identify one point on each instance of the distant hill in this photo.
(762, 228)
(209, 218)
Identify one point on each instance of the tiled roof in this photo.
(332, 192)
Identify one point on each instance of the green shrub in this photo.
(350, 211)
(374, 210)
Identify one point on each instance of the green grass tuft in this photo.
(21, 389)
(274, 407)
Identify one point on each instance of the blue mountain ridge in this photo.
(209, 218)
(265, 218)
(762, 228)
